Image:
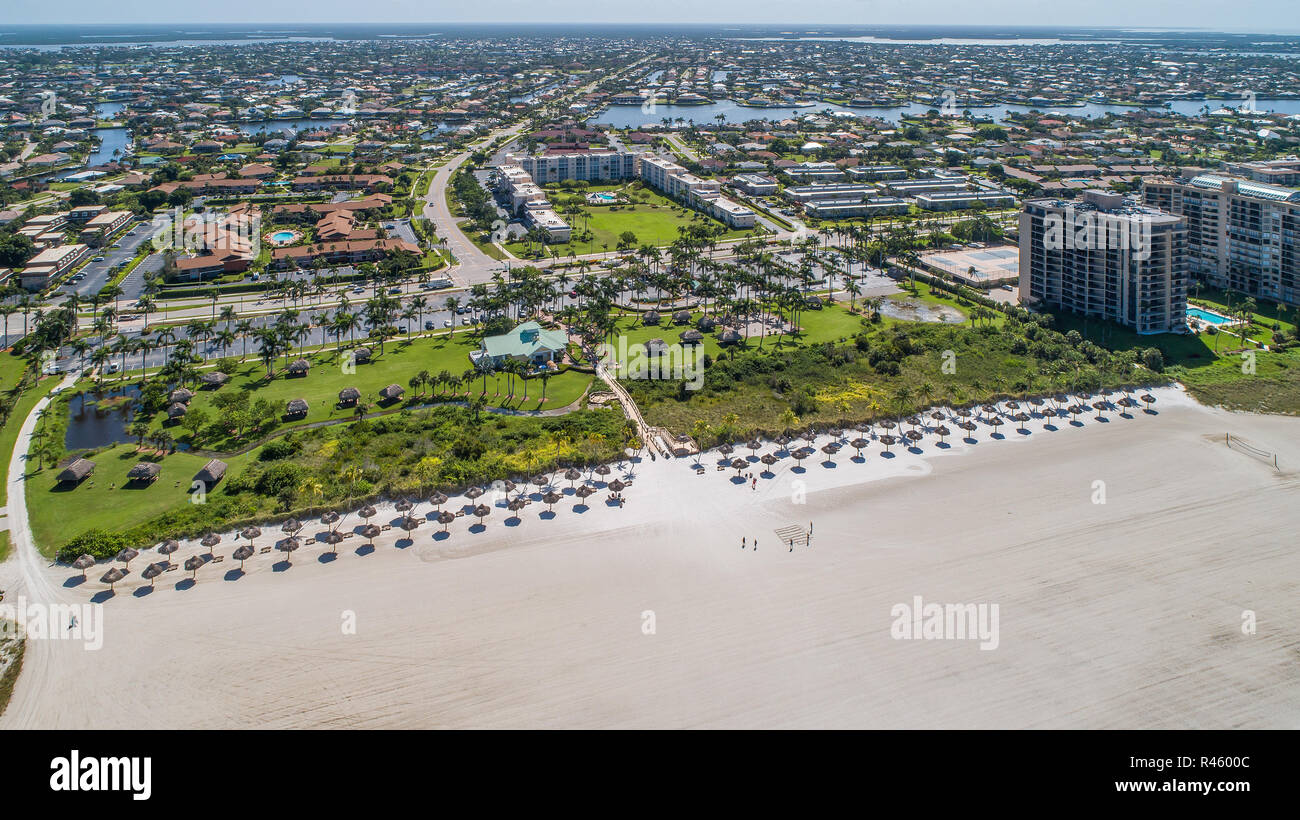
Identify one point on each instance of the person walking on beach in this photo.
(742, 542)
(755, 545)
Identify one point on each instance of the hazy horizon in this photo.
(1257, 17)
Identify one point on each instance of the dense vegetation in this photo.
(404, 455)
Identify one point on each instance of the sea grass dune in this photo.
(1143, 573)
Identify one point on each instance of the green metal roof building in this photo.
(527, 342)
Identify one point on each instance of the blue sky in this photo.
(1247, 15)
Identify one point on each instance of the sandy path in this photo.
(1125, 614)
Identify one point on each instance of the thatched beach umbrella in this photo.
(768, 459)
(571, 475)
(125, 556)
(287, 545)
(1148, 399)
(210, 540)
(192, 565)
(1100, 407)
(482, 511)
(446, 517)
(517, 504)
(888, 440)
(739, 464)
(602, 470)
(942, 431)
(541, 480)
(409, 523)
(913, 435)
(167, 547)
(250, 533)
(367, 512)
(830, 449)
(330, 518)
(888, 424)
(584, 491)
(403, 505)
(112, 577)
(243, 553)
(799, 454)
(1020, 419)
(783, 441)
(937, 416)
(333, 538)
(551, 499)
(291, 526)
(84, 563)
(753, 445)
(859, 444)
(617, 486)
(726, 449)
(437, 500)
(153, 571)
(473, 493)
(371, 531)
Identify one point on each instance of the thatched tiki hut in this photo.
(361, 355)
(682, 317)
(211, 473)
(76, 471)
(296, 408)
(146, 472)
(176, 411)
(299, 367)
(349, 396)
(651, 317)
(691, 337)
(214, 379)
(181, 395)
(391, 393)
(729, 336)
(706, 323)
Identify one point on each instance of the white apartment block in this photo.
(526, 199)
(581, 165)
(704, 195)
(1241, 235)
(1106, 258)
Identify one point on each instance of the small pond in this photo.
(100, 419)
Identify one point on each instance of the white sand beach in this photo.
(1125, 614)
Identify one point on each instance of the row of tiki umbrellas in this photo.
(292, 542)
(989, 413)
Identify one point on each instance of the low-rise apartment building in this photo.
(43, 268)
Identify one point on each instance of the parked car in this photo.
(446, 323)
(429, 325)
(99, 259)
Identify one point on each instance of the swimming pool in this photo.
(282, 236)
(1207, 317)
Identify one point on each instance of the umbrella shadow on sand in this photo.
(75, 581)
(364, 549)
(546, 515)
(102, 596)
(141, 592)
(478, 528)
(234, 574)
(185, 583)
(327, 557)
(281, 566)
(441, 535)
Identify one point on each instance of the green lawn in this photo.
(106, 499)
(654, 222)
(830, 324)
(398, 363)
